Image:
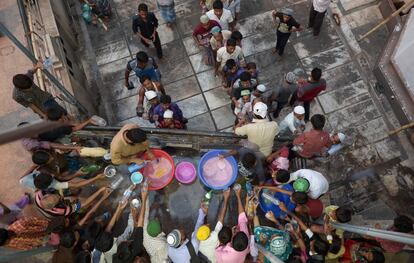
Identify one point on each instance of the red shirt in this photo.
(203, 34)
(315, 207)
(309, 90)
(312, 143)
(177, 125)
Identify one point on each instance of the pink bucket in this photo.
(185, 172)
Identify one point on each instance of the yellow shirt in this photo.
(329, 210)
(120, 149)
(341, 252)
(260, 132)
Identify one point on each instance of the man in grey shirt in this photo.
(283, 92)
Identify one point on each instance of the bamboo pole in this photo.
(406, 6)
(409, 125)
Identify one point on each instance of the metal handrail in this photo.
(169, 132)
(59, 86)
(372, 232)
(368, 231)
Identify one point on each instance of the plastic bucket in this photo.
(217, 174)
(185, 172)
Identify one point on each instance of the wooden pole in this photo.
(401, 128)
(406, 6)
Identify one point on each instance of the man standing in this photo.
(245, 82)
(221, 15)
(231, 51)
(317, 14)
(202, 35)
(142, 65)
(208, 244)
(29, 95)
(166, 104)
(167, 11)
(145, 25)
(283, 92)
(308, 90)
(182, 249)
(233, 6)
(287, 25)
(314, 142)
(261, 132)
(293, 123)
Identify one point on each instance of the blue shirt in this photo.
(177, 113)
(151, 69)
(282, 198)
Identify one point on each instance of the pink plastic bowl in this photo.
(185, 172)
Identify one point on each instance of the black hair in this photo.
(251, 65)
(24, 123)
(143, 78)
(320, 246)
(165, 99)
(300, 198)
(282, 176)
(55, 113)
(68, 239)
(231, 42)
(245, 76)
(218, 4)
(40, 157)
(240, 241)
(225, 235)
(377, 256)
(318, 121)
(142, 7)
(248, 160)
(403, 224)
(316, 74)
(343, 214)
(230, 63)
(258, 117)
(4, 235)
(22, 81)
(142, 57)
(56, 225)
(124, 252)
(42, 181)
(104, 242)
(336, 244)
(236, 35)
(83, 257)
(92, 231)
(136, 135)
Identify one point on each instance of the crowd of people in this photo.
(297, 228)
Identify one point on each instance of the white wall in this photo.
(403, 57)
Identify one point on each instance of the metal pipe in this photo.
(364, 228)
(388, 235)
(272, 258)
(34, 50)
(68, 95)
(169, 132)
(26, 29)
(373, 232)
(28, 130)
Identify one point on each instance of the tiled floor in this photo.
(347, 103)
(187, 79)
